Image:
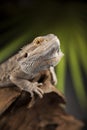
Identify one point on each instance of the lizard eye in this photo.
(25, 55)
(38, 40)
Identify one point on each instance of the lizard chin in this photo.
(55, 59)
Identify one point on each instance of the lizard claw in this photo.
(36, 89)
(31, 93)
(39, 92)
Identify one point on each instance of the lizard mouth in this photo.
(58, 56)
(54, 59)
(52, 54)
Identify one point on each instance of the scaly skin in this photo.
(42, 54)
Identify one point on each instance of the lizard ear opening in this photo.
(25, 55)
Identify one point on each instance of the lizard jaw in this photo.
(54, 59)
(57, 58)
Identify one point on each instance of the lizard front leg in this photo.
(53, 75)
(24, 84)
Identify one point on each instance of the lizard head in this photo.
(41, 54)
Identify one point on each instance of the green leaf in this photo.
(60, 72)
(76, 75)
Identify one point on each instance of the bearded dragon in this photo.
(42, 54)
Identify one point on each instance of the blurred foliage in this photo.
(22, 21)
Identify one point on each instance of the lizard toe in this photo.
(39, 92)
(32, 94)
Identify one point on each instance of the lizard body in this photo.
(42, 54)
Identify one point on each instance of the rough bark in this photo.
(19, 112)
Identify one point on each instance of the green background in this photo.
(23, 20)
